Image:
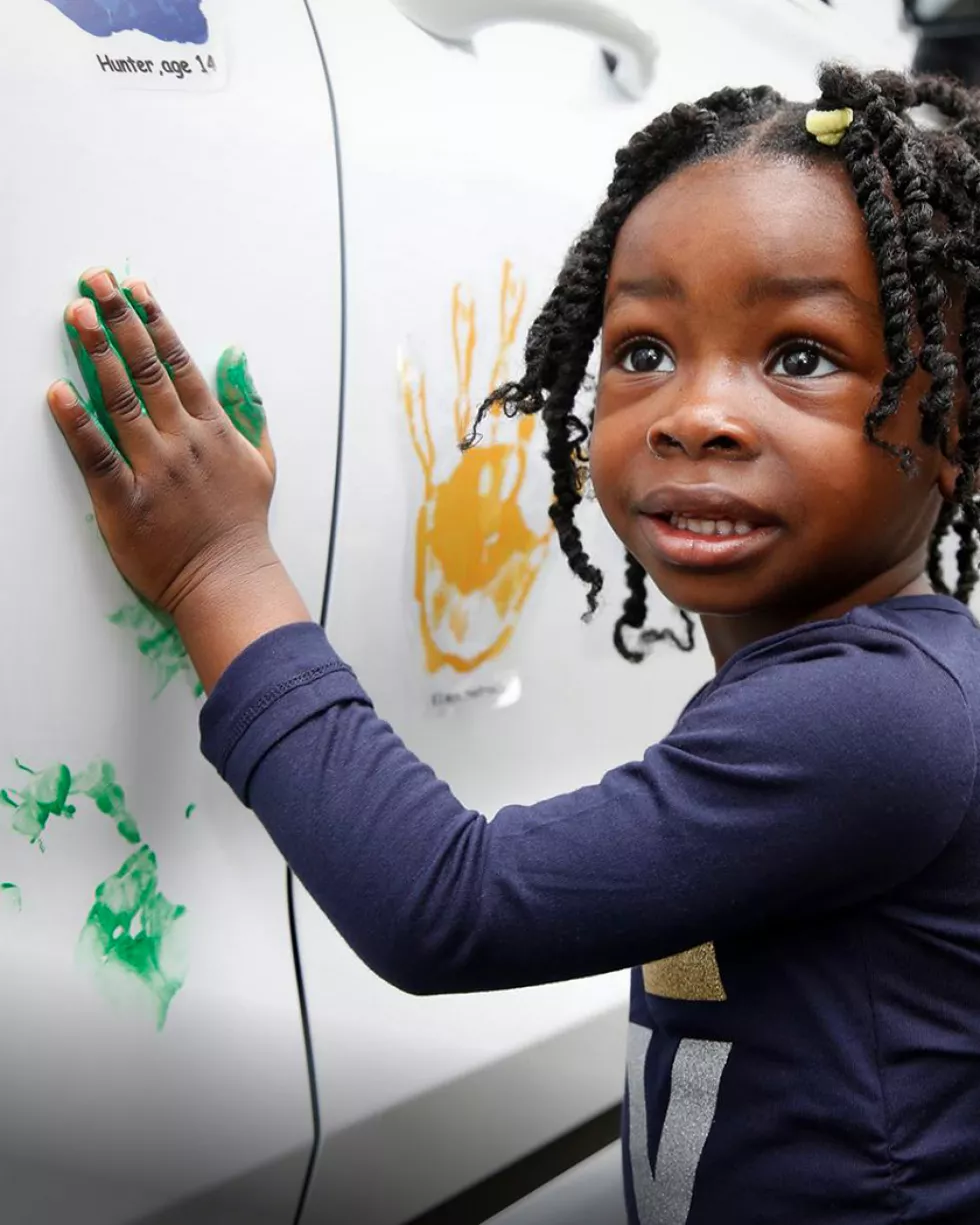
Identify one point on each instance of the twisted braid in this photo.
(968, 453)
(884, 232)
(948, 97)
(921, 243)
(634, 615)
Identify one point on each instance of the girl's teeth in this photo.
(711, 527)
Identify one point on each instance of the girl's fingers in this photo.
(192, 388)
(106, 474)
(86, 368)
(239, 397)
(131, 339)
(117, 405)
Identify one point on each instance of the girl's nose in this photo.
(700, 433)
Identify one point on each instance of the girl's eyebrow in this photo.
(646, 287)
(789, 288)
(760, 289)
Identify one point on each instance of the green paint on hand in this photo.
(133, 936)
(98, 782)
(10, 896)
(159, 642)
(138, 307)
(96, 405)
(238, 396)
(189, 811)
(45, 796)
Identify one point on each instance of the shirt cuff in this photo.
(278, 682)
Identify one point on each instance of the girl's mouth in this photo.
(680, 540)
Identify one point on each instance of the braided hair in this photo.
(918, 189)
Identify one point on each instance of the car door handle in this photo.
(630, 49)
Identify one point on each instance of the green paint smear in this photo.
(132, 935)
(189, 811)
(10, 896)
(238, 396)
(134, 938)
(158, 642)
(45, 796)
(48, 793)
(98, 782)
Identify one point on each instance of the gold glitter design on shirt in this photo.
(693, 975)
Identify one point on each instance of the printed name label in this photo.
(176, 68)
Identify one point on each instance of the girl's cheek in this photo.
(611, 455)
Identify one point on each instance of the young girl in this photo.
(787, 425)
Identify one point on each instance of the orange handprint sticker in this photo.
(476, 558)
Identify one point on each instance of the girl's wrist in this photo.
(230, 605)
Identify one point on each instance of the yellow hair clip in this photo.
(829, 126)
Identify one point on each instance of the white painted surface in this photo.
(588, 1194)
(226, 200)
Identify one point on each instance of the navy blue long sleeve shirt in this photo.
(793, 873)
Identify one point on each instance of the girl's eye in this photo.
(646, 357)
(803, 361)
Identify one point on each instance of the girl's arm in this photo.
(819, 776)
(811, 776)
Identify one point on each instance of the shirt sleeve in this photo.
(812, 776)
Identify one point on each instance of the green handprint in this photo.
(45, 796)
(48, 793)
(132, 931)
(98, 782)
(131, 927)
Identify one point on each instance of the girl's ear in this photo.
(949, 472)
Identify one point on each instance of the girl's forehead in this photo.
(740, 217)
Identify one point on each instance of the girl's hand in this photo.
(182, 501)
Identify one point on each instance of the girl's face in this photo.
(741, 349)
